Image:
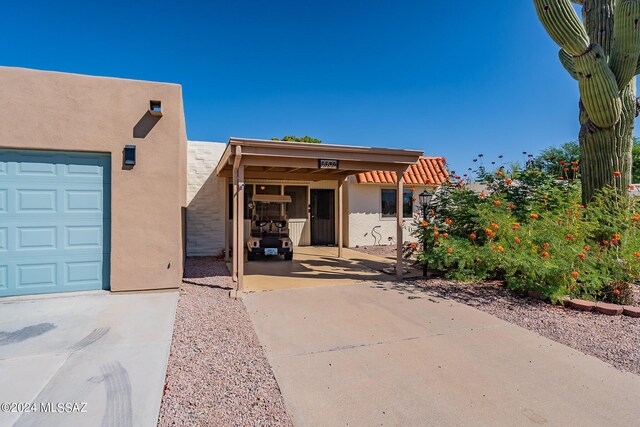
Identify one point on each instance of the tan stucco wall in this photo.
(59, 111)
(365, 214)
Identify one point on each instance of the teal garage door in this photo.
(54, 221)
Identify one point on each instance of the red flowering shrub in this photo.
(537, 238)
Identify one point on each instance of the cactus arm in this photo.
(563, 25)
(567, 62)
(577, 1)
(598, 87)
(625, 50)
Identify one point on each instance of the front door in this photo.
(323, 231)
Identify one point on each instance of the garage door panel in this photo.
(32, 238)
(54, 211)
(4, 239)
(83, 201)
(4, 279)
(36, 200)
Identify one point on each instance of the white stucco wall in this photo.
(365, 216)
(205, 199)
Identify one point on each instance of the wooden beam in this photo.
(399, 224)
(227, 256)
(240, 251)
(340, 208)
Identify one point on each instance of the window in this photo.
(248, 193)
(298, 206)
(388, 198)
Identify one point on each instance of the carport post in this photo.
(399, 215)
(340, 192)
(226, 220)
(240, 252)
(236, 165)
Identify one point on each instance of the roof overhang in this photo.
(267, 159)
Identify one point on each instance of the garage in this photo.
(54, 221)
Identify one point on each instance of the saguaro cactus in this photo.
(602, 52)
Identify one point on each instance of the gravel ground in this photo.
(613, 339)
(382, 250)
(217, 373)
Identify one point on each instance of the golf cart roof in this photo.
(271, 198)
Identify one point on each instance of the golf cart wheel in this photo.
(288, 256)
(251, 256)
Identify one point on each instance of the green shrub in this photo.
(530, 230)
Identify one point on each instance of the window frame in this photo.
(405, 191)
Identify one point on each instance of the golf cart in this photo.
(269, 227)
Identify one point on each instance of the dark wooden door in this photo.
(323, 223)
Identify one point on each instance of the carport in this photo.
(296, 161)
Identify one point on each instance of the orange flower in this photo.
(580, 207)
(575, 274)
(497, 202)
(494, 225)
(436, 234)
(483, 195)
(587, 248)
(472, 236)
(448, 221)
(569, 236)
(616, 291)
(534, 216)
(615, 236)
(581, 255)
(516, 239)
(545, 197)
(616, 173)
(636, 254)
(445, 235)
(413, 246)
(574, 163)
(431, 212)
(545, 246)
(499, 173)
(509, 181)
(511, 206)
(424, 223)
(545, 254)
(450, 250)
(500, 249)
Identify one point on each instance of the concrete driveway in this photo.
(384, 354)
(106, 353)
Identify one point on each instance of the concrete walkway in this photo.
(316, 266)
(107, 353)
(385, 354)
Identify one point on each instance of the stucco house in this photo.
(100, 190)
(369, 205)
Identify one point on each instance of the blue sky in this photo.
(451, 79)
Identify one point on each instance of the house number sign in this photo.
(327, 164)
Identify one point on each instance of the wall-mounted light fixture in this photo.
(155, 108)
(129, 155)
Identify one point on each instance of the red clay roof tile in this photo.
(428, 170)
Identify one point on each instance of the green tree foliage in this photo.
(560, 161)
(554, 160)
(293, 138)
